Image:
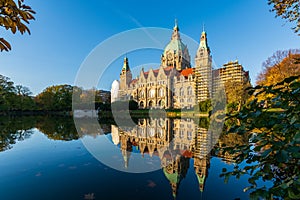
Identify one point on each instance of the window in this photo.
(189, 91)
(181, 134)
(142, 94)
(161, 92)
(189, 135)
(181, 92)
(161, 103)
(151, 132)
(142, 131)
(152, 93)
(142, 105)
(160, 133)
(150, 104)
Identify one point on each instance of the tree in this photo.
(288, 10)
(56, 98)
(236, 94)
(281, 65)
(6, 92)
(205, 106)
(273, 151)
(14, 97)
(14, 17)
(23, 90)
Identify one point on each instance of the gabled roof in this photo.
(167, 71)
(133, 81)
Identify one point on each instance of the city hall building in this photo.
(175, 84)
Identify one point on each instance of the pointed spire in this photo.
(125, 64)
(203, 39)
(203, 28)
(175, 34)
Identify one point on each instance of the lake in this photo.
(44, 157)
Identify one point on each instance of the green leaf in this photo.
(282, 156)
(266, 153)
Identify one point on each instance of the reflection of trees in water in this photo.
(16, 128)
(92, 127)
(13, 129)
(230, 140)
(58, 127)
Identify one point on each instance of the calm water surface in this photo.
(45, 158)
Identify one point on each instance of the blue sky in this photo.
(65, 32)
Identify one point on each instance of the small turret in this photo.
(125, 67)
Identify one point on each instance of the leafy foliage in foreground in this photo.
(288, 10)
(14, 17)
(273, 151)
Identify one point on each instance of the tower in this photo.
(125, 77)
(176, 53)
(203, 70)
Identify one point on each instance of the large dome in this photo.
(176, 46)
(176, 49)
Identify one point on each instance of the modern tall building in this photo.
(230, 72)
(175, 84)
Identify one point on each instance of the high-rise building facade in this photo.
(230, 72)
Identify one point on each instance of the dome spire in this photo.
(175, 34)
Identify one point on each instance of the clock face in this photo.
(170, 55)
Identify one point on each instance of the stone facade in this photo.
(175, 84)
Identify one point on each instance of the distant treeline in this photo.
(18, 98)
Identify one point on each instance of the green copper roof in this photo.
(201, 180)
(173, 178)
(175, 45)
(125, 65)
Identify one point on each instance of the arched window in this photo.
(161, 92)
(142, 94)
(152, 93)
(151, 132)
(189, 90)
(142, 133)
(181, 134)
(189, 135)
(150, 104)
(161, 103)
(142, 105)
(181, 92)
(142, 121)
(160, 133)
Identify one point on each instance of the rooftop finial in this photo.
(203, 27)
(175, 34)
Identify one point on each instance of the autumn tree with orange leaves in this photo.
(281, 65)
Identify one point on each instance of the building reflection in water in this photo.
(174, 141)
